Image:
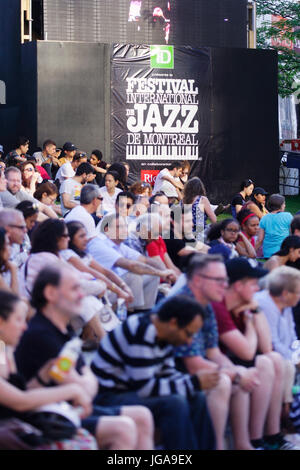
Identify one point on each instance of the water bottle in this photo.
(121, 310)
(66, 360)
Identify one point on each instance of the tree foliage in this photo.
(282, 34)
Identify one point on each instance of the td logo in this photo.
(162, 57)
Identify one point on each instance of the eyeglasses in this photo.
(20, 227)
(28, 169)
(232, 230)
(66, 235)
(2, 167)
(219, 280)
(100, 198)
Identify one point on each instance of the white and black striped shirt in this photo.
(130, 358)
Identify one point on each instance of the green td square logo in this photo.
(162, 57)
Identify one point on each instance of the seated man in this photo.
(246, 338)
(13, 222)
(57, 296)
(47, 157)
(14, 195)
(167, 183)
(207, 282)
(71, 188)
(90, 200)
(139, 272)
(135, 365)
(282, 293)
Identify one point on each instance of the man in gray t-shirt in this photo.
(13, 195)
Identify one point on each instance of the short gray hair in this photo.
(282, 278)
(12, 169)
(88, 193)
(8, 216)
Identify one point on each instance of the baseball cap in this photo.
(259, 190)
(240, 268)
(68, 146)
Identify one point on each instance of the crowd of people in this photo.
(180, 328)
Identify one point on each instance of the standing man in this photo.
(19, 155)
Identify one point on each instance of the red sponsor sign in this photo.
(294, 144)
(149, 176)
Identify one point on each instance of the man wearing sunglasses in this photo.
(207, 281)
(14, 223)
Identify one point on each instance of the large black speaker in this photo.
(10, 71)
(215, 23)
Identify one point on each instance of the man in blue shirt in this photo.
(206, 282)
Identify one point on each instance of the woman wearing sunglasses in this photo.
(30, 177)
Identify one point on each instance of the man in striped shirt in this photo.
(135, 365)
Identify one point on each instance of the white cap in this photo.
(66, 171)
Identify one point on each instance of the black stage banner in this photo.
(161, 107)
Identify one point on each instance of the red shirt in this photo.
(157, 248)
(42, 172)
(226, 320)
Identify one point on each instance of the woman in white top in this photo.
(30, 177)
(110, 191)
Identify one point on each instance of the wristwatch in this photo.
(237, 379)
(255, 310)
